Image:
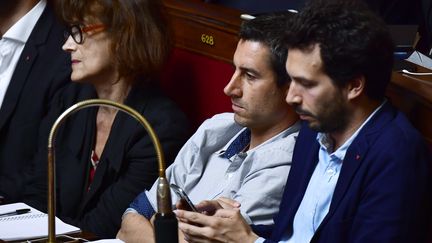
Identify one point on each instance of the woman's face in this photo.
(92, 60)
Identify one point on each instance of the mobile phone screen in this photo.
(181, 194)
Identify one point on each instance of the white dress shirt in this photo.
(12, 44)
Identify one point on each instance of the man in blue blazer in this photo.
(360, 172)
(32, 40)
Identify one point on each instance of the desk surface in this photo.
(82, 235)
(420, 85)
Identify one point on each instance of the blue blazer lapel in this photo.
(351, 164)
(304, 161)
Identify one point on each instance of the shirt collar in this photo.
(22, 29)
(221, 152)
(326, 143)
(291, 129)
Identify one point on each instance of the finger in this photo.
(228, 213)
(194, 239)
(184, 220)
(194, 234)
(228, 202)
(190, 230)
(178, 204)
(192, 217)
(208, 205)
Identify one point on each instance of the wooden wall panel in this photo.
(413, 95)
(208, 29)
(211, 30)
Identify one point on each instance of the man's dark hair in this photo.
(268, 30)
(353, 41)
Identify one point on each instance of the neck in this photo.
(12, 11)
(360, 112)
(116, 92)
(261, 134)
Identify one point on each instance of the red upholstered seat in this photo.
(195, 82)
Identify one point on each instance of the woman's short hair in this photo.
(141, 38)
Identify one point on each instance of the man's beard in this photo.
(331, 116)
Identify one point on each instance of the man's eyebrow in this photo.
(250, 70)
(301, 79)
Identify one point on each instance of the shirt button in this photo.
(331, 171)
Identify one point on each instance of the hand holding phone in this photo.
(182, 194)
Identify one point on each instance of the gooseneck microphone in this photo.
(165, 225)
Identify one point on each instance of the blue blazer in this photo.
(384, 189)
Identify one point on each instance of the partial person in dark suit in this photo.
(32, 68)
(425, 44)
(360, 171)
(104, 157)
(397, 12)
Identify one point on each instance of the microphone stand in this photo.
(165, 225)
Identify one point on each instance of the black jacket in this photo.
(128, 164)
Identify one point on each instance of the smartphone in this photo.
(182, 194)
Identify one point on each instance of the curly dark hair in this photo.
(268, 30)
(140, 34)
(353, 41)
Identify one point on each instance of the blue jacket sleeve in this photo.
(142, 205)
(262, 230)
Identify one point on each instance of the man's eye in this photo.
(249, 76)
(307, 84)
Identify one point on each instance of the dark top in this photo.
(425, 43)
(42, 69)
(127, 166)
